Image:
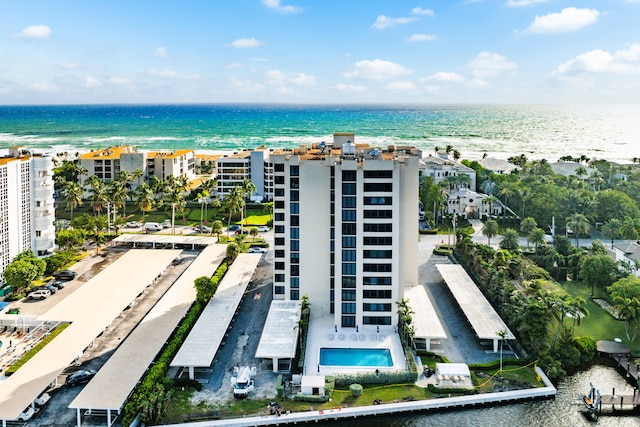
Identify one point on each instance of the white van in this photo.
(152, 226)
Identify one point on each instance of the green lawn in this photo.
(599, 324)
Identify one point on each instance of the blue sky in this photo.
(322, 51)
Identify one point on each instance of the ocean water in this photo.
(610, 132)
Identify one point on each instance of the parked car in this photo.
(42, 399)
(202, 229)
(234, 227)
(26, 414)
(152, 226)
(80, 377)
(65, 275)
(48, 287)
(166, 223)
(39, 294)
(134, 224)
(257, 250)
(57, 283)
(263, 229)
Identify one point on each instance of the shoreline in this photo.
(437, 404)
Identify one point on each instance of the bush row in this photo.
(381, 378)
(24, 359)
(158, 370)
(443, 390)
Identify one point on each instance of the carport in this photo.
(163, 241)
(426, 322)
(90, 309)
(202, 343)
(107, 392)
(280, 333)
(479, 312)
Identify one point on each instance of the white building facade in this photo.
(346, 227)
(27, 210)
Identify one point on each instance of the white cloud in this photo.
(246, 86)
(280, 78)
(234, 66)
(71, 65)
(91, 82)
(598, 61)
(450, 78)
(44, 87)
(406, 85)
(568, 19)
(118, 81)
(376, 70)
(173, 75)
(161, 52)
(421, 38)
(421, 11)
(245, 43)
(522, 3)
(447, 77)
(487, 64)
(35, 32)
(383, 22)
(275, 5)
(350, 88)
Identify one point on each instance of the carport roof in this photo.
(425, 319)
(280, 332)
(165, 238)
(117, 378)
(91, 308)
(200, 347)
(480, 313)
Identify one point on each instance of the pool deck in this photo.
(322, 334)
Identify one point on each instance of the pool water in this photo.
(364, 357)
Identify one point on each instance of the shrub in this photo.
(279, 386)
(311, 399)
(187, 383)
(356, 390)
(24, 359)
(156, 374)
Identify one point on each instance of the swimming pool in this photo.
(363, 357)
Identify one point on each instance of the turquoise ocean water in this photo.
(610, 132)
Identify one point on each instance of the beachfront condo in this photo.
(27, 209)
(346, 228)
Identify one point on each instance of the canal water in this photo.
(564, 411)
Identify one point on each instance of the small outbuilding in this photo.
(452, 375)
(312, 385)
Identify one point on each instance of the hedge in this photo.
(24, 359)
(279, 386)
(443, 390)
(489, 366)
(158, 370)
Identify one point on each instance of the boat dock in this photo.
(619, 401)
(620, 354)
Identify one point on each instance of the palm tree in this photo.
(248, 188)
(118, 195)
(175, 197)
(629, 310)
(98, 194)
(527, 225)
(209, 186)
(216, 228)
(202, 198)
(268, 208)
(629, 228)
(490, 200)
(510, 240)
(72, 193)
(144, 198)
(611, 229)
(490, 229)
(235, 203)
(537, 237)
(579, 224)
